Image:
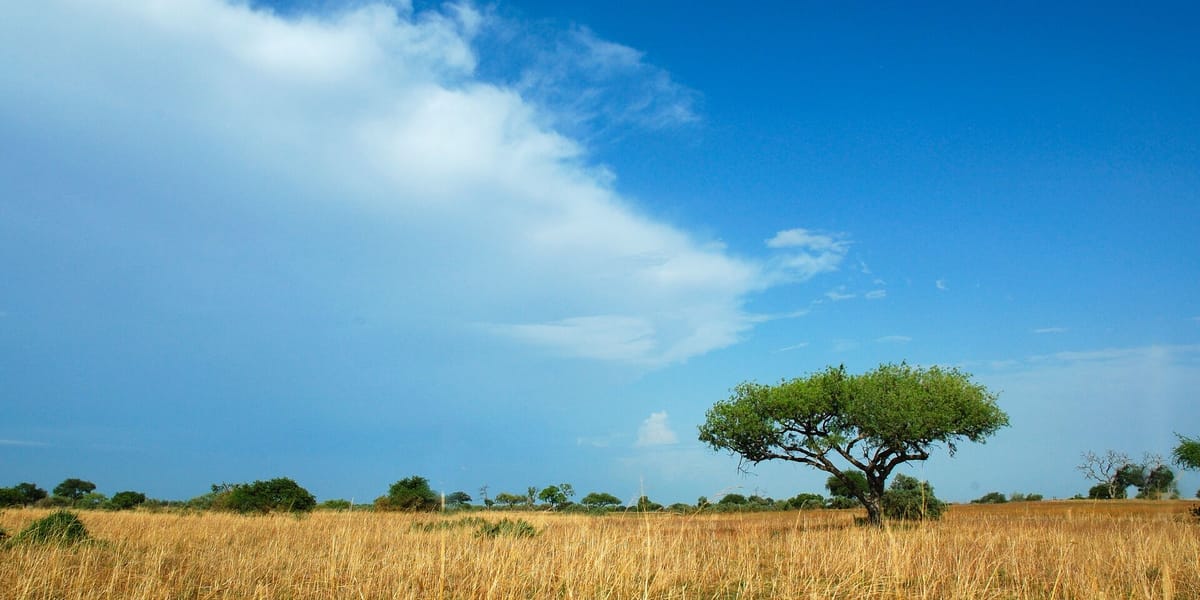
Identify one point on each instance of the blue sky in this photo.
(528, 243)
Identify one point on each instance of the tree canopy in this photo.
(1187, 454)
(410, 494)
(73, 489)
(839, 422)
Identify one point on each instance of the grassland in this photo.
(1085, 550)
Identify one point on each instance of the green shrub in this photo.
(60, 527)
(995, 498)
(409, 494)
(518, 529)
(126, 500)
(911, 500)
(455, 524)
(275, 495)
(335, 504)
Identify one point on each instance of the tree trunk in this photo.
(874, 506)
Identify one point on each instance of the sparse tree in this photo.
(457, 499)
(509, 500)
(872, 422)
(1104, 470)
(409, 494)
(1187, 454)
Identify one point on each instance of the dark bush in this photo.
(60, 527)
(336, 504)
(275, 495)
(993, 498)
(409, 494)
(126, 500)
(806, 501)
(911, 500)
(519, 529)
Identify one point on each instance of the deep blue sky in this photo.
(529, 243)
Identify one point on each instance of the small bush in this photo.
(456, 524)
(61, 527)
(518, 529)
(126, 500)
(996, 498)
(336, 504)
(911, 500)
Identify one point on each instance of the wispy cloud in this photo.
(1046, 330)
(875, 294)
(844, 345)
(894, 339)
(793, 347)
(941, 284)
(655, 431)
(839, 294)
(23, 443)
(804, 254)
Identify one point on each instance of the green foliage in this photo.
(410, 494)
(552, 495)
(60, 527)
(874, 421)
(518, 529)
(644, 504)
(274, 495)
(511, 500)
(73, 489)
(735, 499)
(600, 500)
(22, 494)
(806, 501)
(851, 484)
(911, 500)
(1187, 454)
(91, 500)
(126, 500)
(457, 499)
(455, 524)
(1159, 482)
(1103, 491)
(992, 498)
(1019, 497)
(335, 504)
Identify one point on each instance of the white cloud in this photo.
(655, 431)
(941, 284)
(1045, 330)
(23, 443)
(894, 339)
(493, 217)
(839, 294)
(793, 347)
(875, 294)
(844, 345)
(804, 254)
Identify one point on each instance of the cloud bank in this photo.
(478, 210)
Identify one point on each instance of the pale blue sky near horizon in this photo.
(527, 243)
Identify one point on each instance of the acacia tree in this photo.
(840, 423)
(1187, 454)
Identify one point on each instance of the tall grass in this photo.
(1046, 550)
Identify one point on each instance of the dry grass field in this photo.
(1075, 549)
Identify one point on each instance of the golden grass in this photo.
(1084, 550)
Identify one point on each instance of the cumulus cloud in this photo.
(483, 212)
(655, 431)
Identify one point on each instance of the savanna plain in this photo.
(1050, 549)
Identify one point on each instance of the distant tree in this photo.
(22, 494)
(733, 499)
(644, 504)
(600, 500)
(1105, 470)
(1019, 497)
(991, 498)
(409, 494)
(73, 489)
(126, 500)
(872, 422)
(806, 501)
(509, 500)
(1159, 483)
(530, 496)
(335, 504)
(702, 501)
(553, 495)
(457, 499)
(910, 499)
(273, 495)
(853, 485)
(90, 500)
(483, 495)
(1187, 454)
